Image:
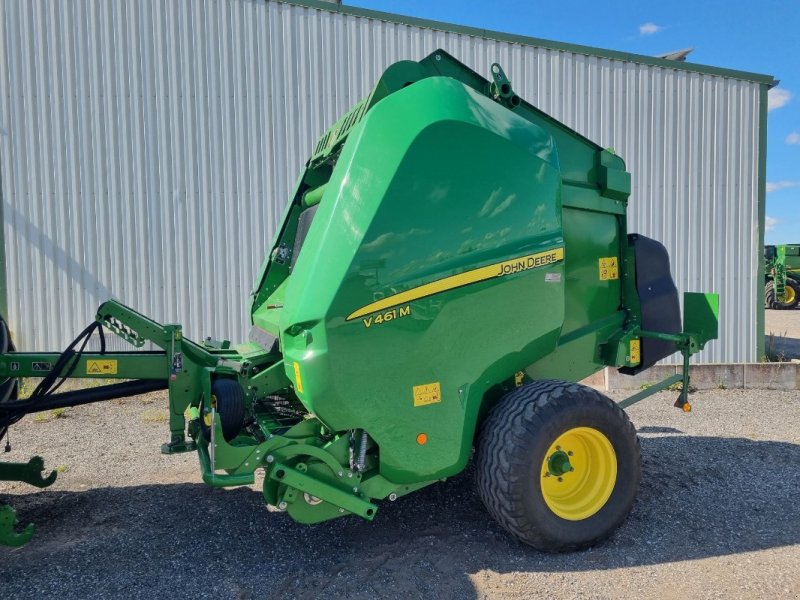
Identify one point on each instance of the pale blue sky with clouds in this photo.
(762, 36)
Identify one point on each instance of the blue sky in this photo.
(761, 36)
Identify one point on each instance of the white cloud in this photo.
(778, 97)
(793, 138)
(769, 223)
(774, 186)
(649, 29)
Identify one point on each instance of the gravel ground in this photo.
(782, 328)
(717, 517)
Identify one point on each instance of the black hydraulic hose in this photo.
(68, 360)
(11, 412)
(123, 389)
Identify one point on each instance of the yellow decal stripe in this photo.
(507, 267)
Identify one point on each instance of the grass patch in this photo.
(25, 389)
(48, 415)
(675, 387)
(155, 415)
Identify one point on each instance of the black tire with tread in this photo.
(770, 301)
(513, 443)
(230, 408)
(9, 388)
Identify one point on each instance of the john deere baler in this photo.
(452, 260)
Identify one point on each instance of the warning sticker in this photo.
(297, 379)
(608, 268)
(428, 393)
(41, 366)
(101, 367)
(635, 351)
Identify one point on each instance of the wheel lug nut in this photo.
(570, 453)
(558, 447)
(560, 479)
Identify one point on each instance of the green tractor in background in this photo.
(782, 287)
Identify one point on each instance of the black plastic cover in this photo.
(303, 225)
(658, 298)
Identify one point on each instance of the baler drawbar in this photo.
(451, 262)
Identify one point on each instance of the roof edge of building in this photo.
(767, 80)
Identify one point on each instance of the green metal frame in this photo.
(182, 362)
(30, 473)
(700, 325)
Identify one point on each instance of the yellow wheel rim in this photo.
(578, 473)
(788, 294)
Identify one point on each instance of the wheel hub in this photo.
(579, 473)
(558, 463)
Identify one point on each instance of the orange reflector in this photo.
(687, 407)
(422, 439)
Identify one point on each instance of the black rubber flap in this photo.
(658, 298)
(303, 225)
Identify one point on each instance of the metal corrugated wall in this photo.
(148, 148)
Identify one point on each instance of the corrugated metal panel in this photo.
(148, 149)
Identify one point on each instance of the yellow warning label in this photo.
(428, 393)
(608, 268)
(297, 379)
(101, 367)
(636, 351)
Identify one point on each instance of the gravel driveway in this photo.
(717, 517)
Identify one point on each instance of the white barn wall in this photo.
(148, 148)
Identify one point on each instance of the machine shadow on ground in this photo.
(782, 339)
(189, 539)
(782, 347)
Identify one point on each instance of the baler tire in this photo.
(771, 300)
(229, 397)
(9, 387)
(514, 443)
(5, 337)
